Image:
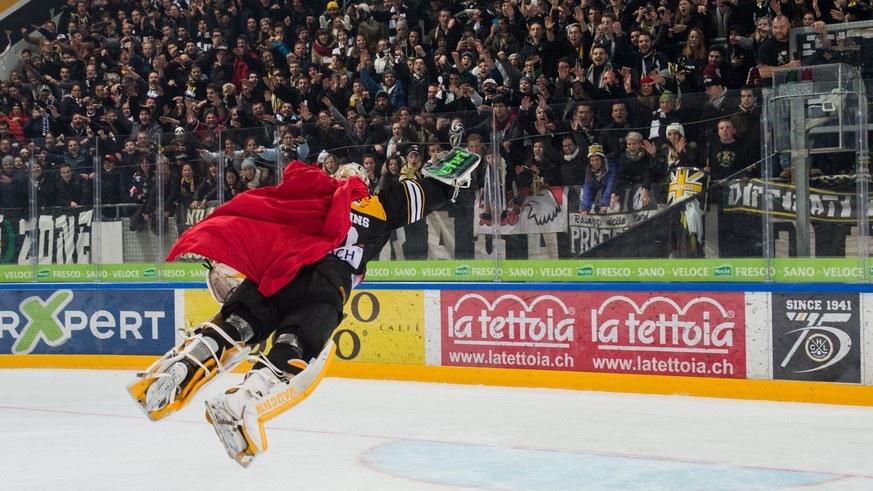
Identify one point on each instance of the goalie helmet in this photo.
(352, 169)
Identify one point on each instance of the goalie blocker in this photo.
(454, 169)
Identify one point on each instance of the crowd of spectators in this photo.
(162, 89)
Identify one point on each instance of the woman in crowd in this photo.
(390, 172)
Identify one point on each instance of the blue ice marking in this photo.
(502, 468)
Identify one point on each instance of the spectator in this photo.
(186, 197)
(740, 59)
(643, 101)
(161, 202)
(719, 104)
(612, 136)
(251, 176)
(678, 151)
(390, 86)
(747, 122)
(141, 182)
(390, 172)
(666, 114)
(72, 191)
(78, 158)
(690, 63)
(43, 184)
(111, 188)
(600, 178)
(232, 184)
(16, 120)
(572, 163)
(725, 156)
(773, 52)
(369, 28)
(412, 168)
(635, 168)
(206, 192)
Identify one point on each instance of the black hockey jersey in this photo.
(394, 207)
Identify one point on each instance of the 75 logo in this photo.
(822, 344)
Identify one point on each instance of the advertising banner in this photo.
(383, 326)
(87, 322)
(116, 273)
(668, 333)
(687, 334)
(817, 337)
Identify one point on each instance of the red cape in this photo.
(268, 234)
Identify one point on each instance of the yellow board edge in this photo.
(767, 390)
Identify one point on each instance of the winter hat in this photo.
(596, 150)
(677, 128)
(470, 54)
(667, 95)
(713, 80)
(413, 149)
(248, 162)
(332, 5)
(647, 80)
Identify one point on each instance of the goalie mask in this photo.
(347, 170)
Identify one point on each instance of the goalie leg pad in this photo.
(238, 415)
(170, 383)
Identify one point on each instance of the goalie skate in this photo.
(239, 414)
(455, 168)
(170, 383)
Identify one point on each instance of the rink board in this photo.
(791, 343)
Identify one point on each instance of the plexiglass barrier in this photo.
(677, 189)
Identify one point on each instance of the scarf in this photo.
(187, 186)
(635, 157)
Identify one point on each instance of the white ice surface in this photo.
(79, 430)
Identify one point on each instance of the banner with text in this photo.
(383, 326)
(87, 322)
(824, 205)
(687, 334)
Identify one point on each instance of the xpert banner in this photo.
(669, 333)
(816, 337)
(87, 322)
